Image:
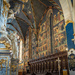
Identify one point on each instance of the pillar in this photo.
(4, 7)
(5, 42)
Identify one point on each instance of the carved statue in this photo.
(14, 44)
(4, 34)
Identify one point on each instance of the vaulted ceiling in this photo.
(31, 14)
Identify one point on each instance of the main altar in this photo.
(8, 45)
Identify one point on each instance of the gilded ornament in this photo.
(14, 67)
(6, 7)
(2, 61)
(68, 21)
(7, 45)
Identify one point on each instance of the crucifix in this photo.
(58, 60)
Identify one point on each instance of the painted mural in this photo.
(59, 33)
(33, 45)
(26, 51)
(42, 40)
(44, 37)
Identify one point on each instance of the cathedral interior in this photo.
(37, 37)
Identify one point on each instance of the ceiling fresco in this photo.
(25, 13)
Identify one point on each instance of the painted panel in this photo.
(60, 41)
(42, 40)
(33, 45)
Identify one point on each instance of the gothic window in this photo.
(51, 32)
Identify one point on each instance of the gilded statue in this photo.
(13, 39)
(7, 41)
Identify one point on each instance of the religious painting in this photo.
(59, 32)
(56, 30)
(54, 20)
(57, 18)
(56, 41)
(61, 48)
(61, 26)
(26, 52)
(45, 42)
(42, 38)
(57, 50)
(43, 54)
(61, 17)
(34, 43)
(61, 38)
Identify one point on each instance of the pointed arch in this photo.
(67, 9)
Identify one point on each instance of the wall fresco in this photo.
(42, 40)
(59, 33)
(26, 53)
(33, 45)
